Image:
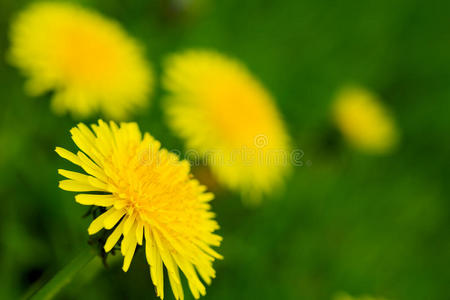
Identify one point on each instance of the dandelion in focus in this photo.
(87, 60)
(364, 121)
(147, 196)
(225, 114)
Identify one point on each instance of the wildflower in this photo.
(364, 121)
(345, 296)
(148, 197)
(87, 60)
(225, 114)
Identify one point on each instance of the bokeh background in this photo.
(346, 221)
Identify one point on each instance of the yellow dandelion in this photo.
(345, 296)
(89, 61)
(225, 114)
(364, 121)
(147, 195)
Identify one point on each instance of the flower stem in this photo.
(65, 276)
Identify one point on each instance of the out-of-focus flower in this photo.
(364, 121)
(225, 114)
(147, 195)
(89, 61)
(345, 296)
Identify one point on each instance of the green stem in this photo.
(64, 276)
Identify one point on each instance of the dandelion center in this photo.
(150, 183)
(238, 113)
(86, 55)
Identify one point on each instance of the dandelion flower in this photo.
(364, 121)
(148, 197)
(225, 114)
(87, 60)
(345, 296)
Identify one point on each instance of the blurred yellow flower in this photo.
(364, 121)
(225, 114)
(147, 194)
(88, 60)
(345, 296)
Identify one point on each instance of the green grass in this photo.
(348, 222)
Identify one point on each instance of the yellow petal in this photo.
(98, 223)
(91, 199)
(155, 262)
(76, 186)
(82, 178)
(112, 219)
(114, 237)
(127, 241)
(90, 167)
(129, 255)
(139, 233)
(99, 184)
(175, 283)
(194, 282)
(129, 222)
(83, 143)
(166, 257)
(68, 155)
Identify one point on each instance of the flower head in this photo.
(345, 296)
(364, 121)
(88, 60)
(223, 112)
(149, 197)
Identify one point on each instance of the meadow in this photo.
(344, 221)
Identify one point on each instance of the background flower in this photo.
(223, 112)
(88, 60)
(345, 296)
(364, 121)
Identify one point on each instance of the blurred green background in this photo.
(346, 221)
